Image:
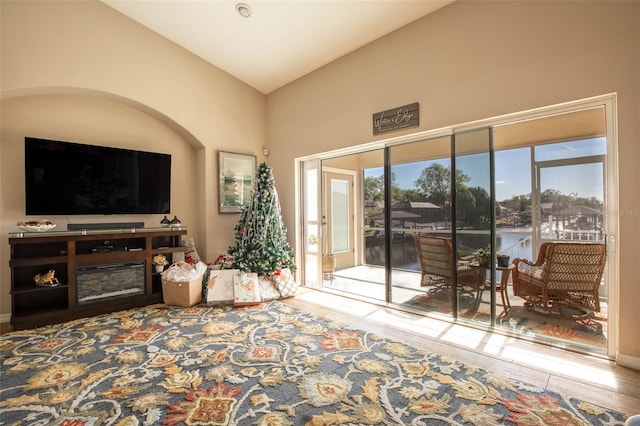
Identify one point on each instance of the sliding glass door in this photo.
(420, 205)
(441, 214)
(432, 225)
(474, 201)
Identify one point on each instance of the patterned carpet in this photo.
(265, 365)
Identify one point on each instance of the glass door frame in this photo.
(608, 101)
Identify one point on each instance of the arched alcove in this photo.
(82, 92)
(95, 118)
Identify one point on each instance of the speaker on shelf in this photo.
(107, 225)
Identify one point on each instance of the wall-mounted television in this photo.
(66, 178)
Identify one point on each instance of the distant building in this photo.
(426, 212)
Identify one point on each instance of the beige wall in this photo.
(80, 71)
(94, 120)
(471, 61)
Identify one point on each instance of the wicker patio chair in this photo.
(435, 255)
(565, 274)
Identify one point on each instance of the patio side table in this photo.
(505, 273)
(501, 286)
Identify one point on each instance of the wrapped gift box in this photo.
(246, 289)
(220, 286)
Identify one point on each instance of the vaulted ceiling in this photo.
(281, 40)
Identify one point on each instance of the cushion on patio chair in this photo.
(565, 274)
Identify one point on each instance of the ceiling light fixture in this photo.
(243, 10)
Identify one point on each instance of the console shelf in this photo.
(98, 271)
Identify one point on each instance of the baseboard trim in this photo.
(5, 318)
(628, 361)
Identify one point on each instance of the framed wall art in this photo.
(236, 173)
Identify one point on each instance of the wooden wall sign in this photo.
(396, 118)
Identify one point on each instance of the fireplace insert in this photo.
(97, 283)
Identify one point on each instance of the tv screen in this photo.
(64, 178)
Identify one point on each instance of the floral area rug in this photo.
(264, 365)
(568, 330)
(587, 332)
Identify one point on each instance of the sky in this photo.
(513, 170)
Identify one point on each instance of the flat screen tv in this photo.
(65, 178)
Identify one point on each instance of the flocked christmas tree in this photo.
(260, 235)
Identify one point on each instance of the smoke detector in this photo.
(243, 10)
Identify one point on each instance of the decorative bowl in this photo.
(36, 225)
